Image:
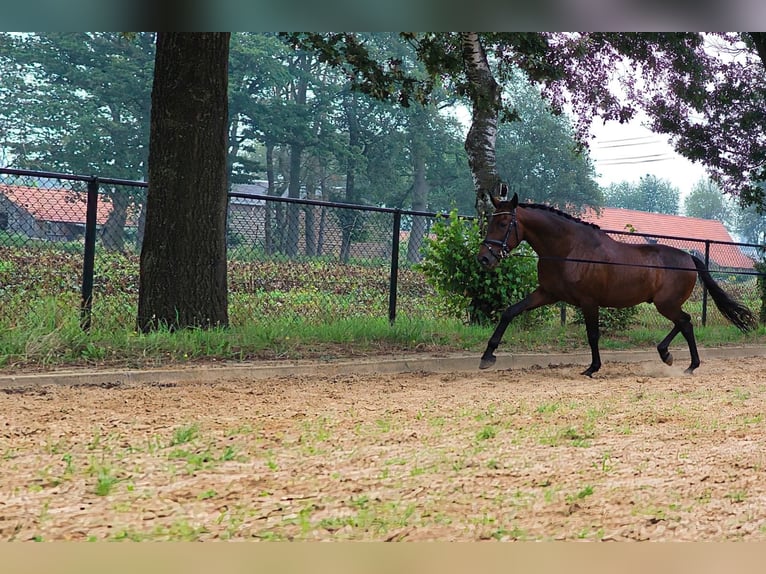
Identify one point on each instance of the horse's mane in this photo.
(558, 212)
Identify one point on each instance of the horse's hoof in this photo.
(588, 372)
(487, 362)
(668, 360)
(689, 371)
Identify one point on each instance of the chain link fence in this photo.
(732, 265)
(69, 242)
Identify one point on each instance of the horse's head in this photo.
(503, 233)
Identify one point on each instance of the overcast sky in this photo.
(628, 151)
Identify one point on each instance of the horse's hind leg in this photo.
(684, 326)
(687, 330)
(590, 314)
(662, 348)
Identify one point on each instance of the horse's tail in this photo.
(733, 310)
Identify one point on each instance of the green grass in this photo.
(301, 310)
(49, 335)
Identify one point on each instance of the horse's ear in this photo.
(514, 200)
(495, 201)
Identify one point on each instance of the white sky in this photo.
(625, 152)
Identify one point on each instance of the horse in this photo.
(580, 264)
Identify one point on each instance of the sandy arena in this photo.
(640, 452)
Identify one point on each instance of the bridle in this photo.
(503, 245)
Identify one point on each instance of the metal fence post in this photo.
(89, 254)
(704, 289)
(394, 276)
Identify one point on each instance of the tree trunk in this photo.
(113, 232)
(293, 210)
(309, 223)
(182, 280)
(759, 40)
(347, 217)
(419, 203)
(486, 102)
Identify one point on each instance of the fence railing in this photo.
(276, 245)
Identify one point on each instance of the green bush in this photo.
(610, 320)
(451, 268)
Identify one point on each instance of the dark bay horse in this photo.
(581, 265)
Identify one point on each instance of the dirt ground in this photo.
(641, 452)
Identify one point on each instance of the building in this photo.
(44, 213)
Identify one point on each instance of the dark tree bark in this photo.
(183, 258)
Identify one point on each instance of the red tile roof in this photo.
(629, 220)
(60, 205)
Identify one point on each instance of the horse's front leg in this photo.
(590, 314)
(535, 299)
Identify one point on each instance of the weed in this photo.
(582, 494)
(105, 481)
(737, 496)
(184, 434)
(548, 408)
(488, 432)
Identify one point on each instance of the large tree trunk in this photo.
(486, 102)
(182, 279)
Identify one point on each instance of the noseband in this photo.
(503, 245)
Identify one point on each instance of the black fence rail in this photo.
(79, 238)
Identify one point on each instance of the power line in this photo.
(635, 159)
(655, 142)
(620, 140)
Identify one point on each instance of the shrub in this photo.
(451, 268)
(610, 319)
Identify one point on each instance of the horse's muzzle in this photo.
(484, 260)
(488, 259)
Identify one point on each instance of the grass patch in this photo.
(278, 310)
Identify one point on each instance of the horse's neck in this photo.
(548, 233)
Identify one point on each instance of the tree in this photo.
(537, 154)
(706, 201)
(651, 194)
(750, 225)
(720, 119)
(182, 280)
(574, 70)
(79, 103)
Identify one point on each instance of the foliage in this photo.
(611, 320)
(537, 156)
(651, 194)
(750, 224)
(451, 267)
(706, 201)
(77, 102)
